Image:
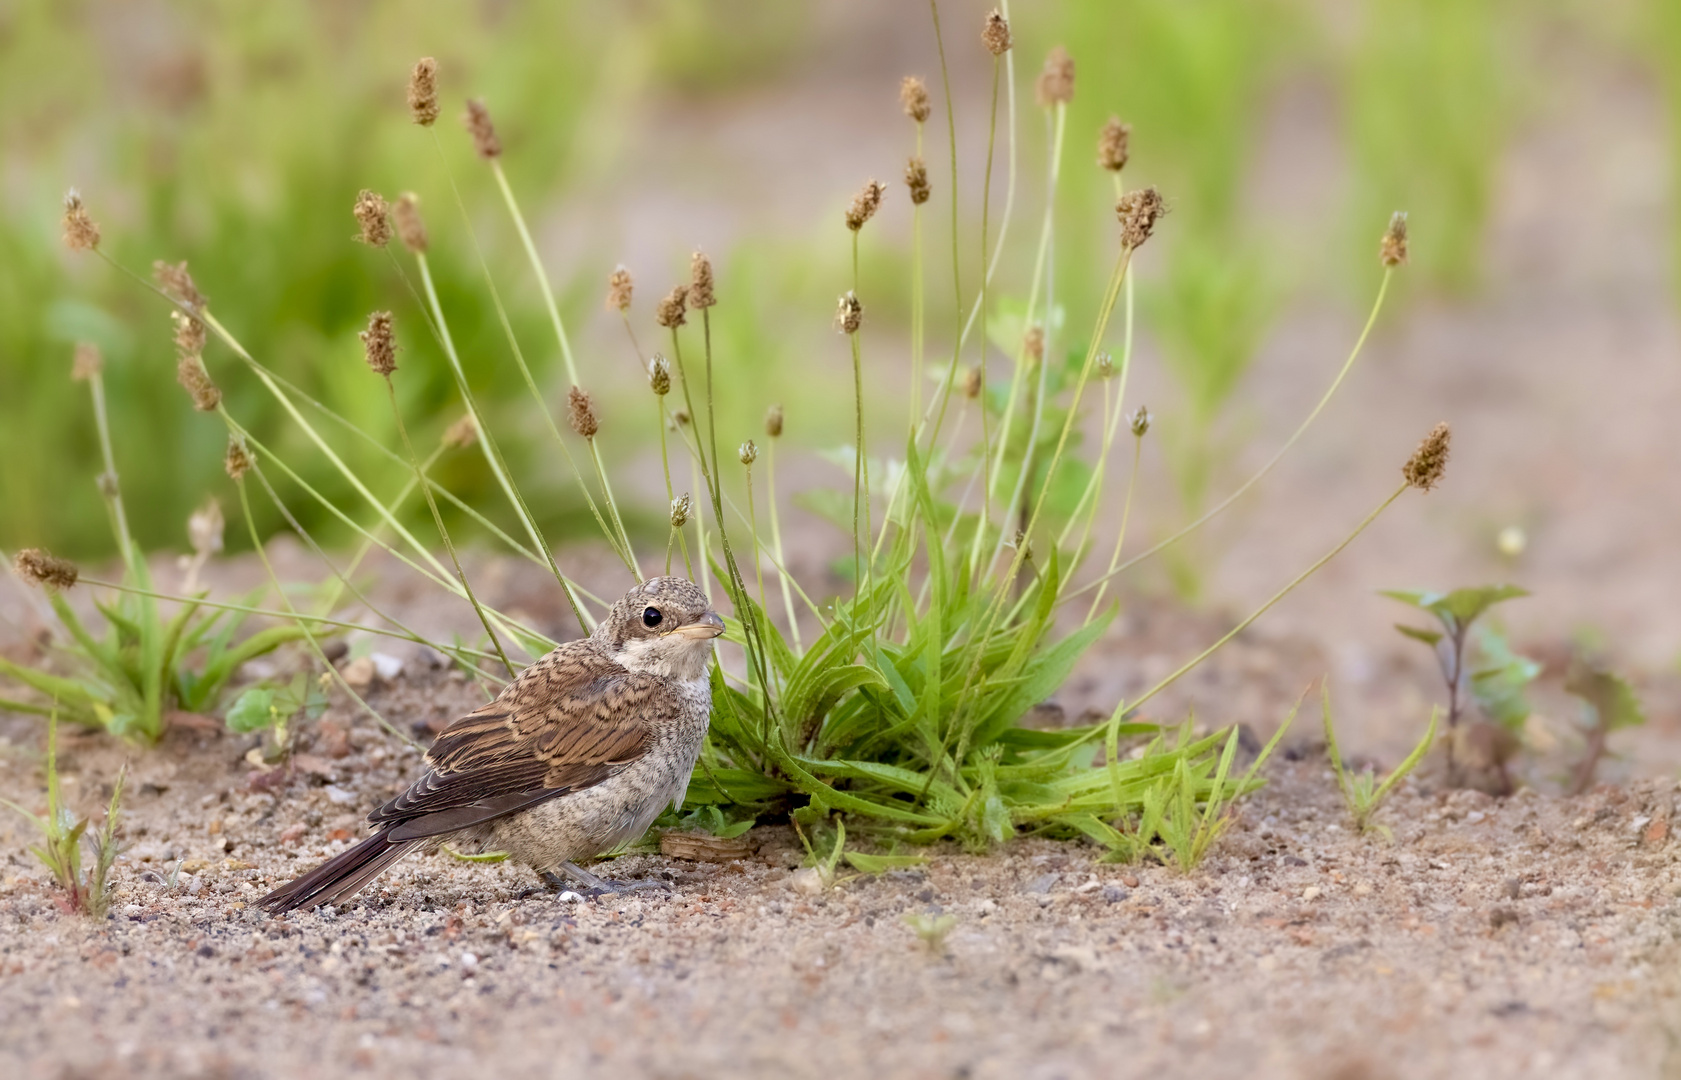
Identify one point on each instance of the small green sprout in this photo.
(1612, 705)
(1362, 791)
(1457, 611)
(932, 929)
(60, 850)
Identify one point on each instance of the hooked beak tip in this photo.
(704, 628)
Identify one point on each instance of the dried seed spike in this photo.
(850, 314)
(189, 334)
(864, 205)
(1393, 250)
(996, 34)
(177, 284)
(1033, 343)
(205, 527)
(423, 91)
(191, 375)
(701, 293)
(1113, 145)
(773, 421)
(916, 178)
(659, 375)
(411, 228)
(373, 214)
(462, 433)
(972, 383)
(80, 232)
(477, 121)
(40, 567)
(580, 412)
(748, 452)
(378, 344)
(1424, 469)
(680, 508)
(913, 95)
(1105, 366)
(1139, 421)
(1139, 211)
(669, 312)
(620, 285)
(239, 458)
(86, 362)
(1056, 81)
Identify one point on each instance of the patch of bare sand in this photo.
(1530, 936)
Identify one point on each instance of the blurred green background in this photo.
(236, 137)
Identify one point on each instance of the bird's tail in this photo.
(340, 877)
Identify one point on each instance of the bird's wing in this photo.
(569, 721)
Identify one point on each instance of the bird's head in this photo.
(664, 627)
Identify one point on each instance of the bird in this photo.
(574, 758)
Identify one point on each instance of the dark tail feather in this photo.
(340, 877)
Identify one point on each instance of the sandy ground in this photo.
(1529, 936)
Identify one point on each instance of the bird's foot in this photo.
(592, 887)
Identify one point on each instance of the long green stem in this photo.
(109, 486)
(956, 260)
(272, 613)
(753, 529)
(613, 509)
(438, 577)
(493, 455)
(776, 545)
(968, 323)
(537, 268)
(918, 301)
(443, 531)
(1262, 610)
(986, 435)
(314, 645)
(321, 443)
(303, 534)
(612, 536)
(1126, 515)
(1041, 272)
(1295, 436)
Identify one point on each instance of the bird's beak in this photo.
(705, 628)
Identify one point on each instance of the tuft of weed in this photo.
(63, 836)
(1363, 792)
(1456, 612)
(931, 929)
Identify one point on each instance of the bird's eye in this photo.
(651, 618)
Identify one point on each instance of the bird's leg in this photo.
(593, 886)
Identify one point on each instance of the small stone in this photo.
(1043, 883)
(360, 672)
(133, 911)
(1311, 892)
(807, 882)
(1129, 881)
(340, 796)
(387, 667)
(1502, 916)
(1114, 894)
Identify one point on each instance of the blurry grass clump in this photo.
(893, 711)
(209, 129)
(146, 663)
